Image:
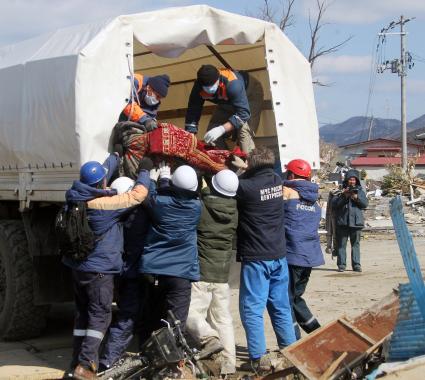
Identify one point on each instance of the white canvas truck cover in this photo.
(61, 93)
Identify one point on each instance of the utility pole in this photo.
(369, 135)
(402, 73)
(399, 66)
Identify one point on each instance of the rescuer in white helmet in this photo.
(211, 296)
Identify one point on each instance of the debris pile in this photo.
(396, 182)
(373, 344)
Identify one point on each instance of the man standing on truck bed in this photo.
(93, 277)
(147, 93)
(240, 99)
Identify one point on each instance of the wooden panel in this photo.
(316, 353)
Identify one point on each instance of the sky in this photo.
(353, 88)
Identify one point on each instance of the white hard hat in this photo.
(226, 182)
(185, 177)
(122, 185)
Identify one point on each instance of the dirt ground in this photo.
(330, 295)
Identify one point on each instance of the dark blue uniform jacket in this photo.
(302, 219)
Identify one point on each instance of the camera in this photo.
(353, 189)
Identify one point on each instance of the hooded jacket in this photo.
(349, 212)
(170, 245)
(104, 211)
(261, 231)
(216, 230)
(302, 218)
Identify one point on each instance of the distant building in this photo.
(381, 148)
(375, 156)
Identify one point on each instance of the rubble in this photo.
(342, 345)
(353, 348)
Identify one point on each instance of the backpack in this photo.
(75, 237)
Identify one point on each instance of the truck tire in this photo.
(19, 317)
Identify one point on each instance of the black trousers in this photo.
(301, 314)
(93, 294)
(160, 294)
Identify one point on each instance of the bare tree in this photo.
(328, 156)
(315, 26)
(328, 152)
(285, 18)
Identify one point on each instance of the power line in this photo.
(376, 54)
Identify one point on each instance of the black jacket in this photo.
(349, 212)
(261, 232)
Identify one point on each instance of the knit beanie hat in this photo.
(208, 75)
(160, 84)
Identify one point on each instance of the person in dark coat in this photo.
(210, 321)
(129, 301)
(302, 219)
(93, 277)
(239, 97)
(261, 248)
(169, 263)
(349, 206)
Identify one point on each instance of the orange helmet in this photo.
(299, 167)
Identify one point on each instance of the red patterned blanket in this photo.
(171, 141)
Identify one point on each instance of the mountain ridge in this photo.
(355, 129)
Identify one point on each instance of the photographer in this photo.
(349, 206)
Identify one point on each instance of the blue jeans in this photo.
(265, 283)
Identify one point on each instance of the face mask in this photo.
(151, 100)
(211, 89)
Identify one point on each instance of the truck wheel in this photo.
(19, 317)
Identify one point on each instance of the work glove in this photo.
(239, 163)
(164, 170)
(213, 134)
(154, 174)
(150, 125)
(145, 164)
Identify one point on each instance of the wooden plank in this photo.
(408, 252)
(314, 354)
(331, 369)
(357, 331)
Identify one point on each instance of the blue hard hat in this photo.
(92, 172)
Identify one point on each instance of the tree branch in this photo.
(315, 52)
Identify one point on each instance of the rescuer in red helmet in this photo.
(302, 218)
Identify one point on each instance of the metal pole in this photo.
(369, 135)
(403, 95)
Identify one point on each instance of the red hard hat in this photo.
(299, 167)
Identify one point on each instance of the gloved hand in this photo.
(145, 164)
(239, 163)
(154, 174)
(150, 125)
(164, 170)
(213, 134)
